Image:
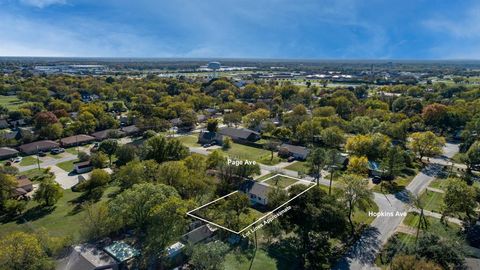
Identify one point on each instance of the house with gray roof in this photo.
(240, 134)
(298, 152)
(257, 192)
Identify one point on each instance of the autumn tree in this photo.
(426, 144)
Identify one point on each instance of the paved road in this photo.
(362, 254)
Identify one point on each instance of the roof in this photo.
(209, 136)
(104, 134)
(174, 249)
(86, 257)
(7, 151)
(256, 188)
(31, 147)
(295, 149)
(81, 138)
(82, 164)
(130, 129)
(201, 233)
(121, 251)
(3, 123)
(11, 135)
(241, 133)
(23, 181)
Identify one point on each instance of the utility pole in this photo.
(38, 159)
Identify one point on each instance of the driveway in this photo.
(66, 180)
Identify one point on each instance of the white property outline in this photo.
(189, 213)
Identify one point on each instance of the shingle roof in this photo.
(7, 151)
(295, 149)
(256, 188)
(241, 133)
(81, 138)
(199, 234)
(42, 145)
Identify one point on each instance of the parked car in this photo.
(41, 154)
(291, 159)
(376, 179)
(206, 145)
(16, 159)
(56, 151)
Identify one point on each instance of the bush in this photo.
(83, 156)
(99, 160)
(227, 143)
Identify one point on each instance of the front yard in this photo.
(67, 165)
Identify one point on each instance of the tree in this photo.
(332, 136)
(417, 202)
(227, 143)
(393, 162)
(358, 165)
(23, 251)
(408, 262)
(52, 131)
(135, 206)
(253, 119)
(48, 193)
(130, 174)
(166, 224)
(316, 161)
(44, 119)
(426, 144)
(271, 146)
(459, 198)
(371, 146)
(7, 184)
(234, 207)
(109, 147)
(96, 222)
(447, 253)
(125, 153)
(99, 159)
(210, 256)
(355, 194)
(212, 125)
(215, 159)
(472, 157)
(95, 185)
(436, 115)
(160, 149)
(332, 161)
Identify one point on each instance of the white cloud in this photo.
(42, 3)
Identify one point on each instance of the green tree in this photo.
(109, 147)
(210, 256)
(7, 184)
(99, 159)
(271, 146)
(160, 149)
(48, 193)
(97, 221)
(417, 202)
(426, 144)
(472, 157)
(23, 251)
(394, 162)
(212, 125)
(125, 153)
(332, 137)
(459, 198)
(227, 143)
(135, 206)
(356, 195)
(316, 162)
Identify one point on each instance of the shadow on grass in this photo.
(80, 201)
(35, 213)
(284, 253)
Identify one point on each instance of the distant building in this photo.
(240, 134)
(107, 133)
(24, 186)
(256, 191)
(83, 167)
(32, 148)
(210, 138)
(298, 152)
(76, 140)
(87, 257)
(203, 233)
(130, 130)
(7, 152)
(3, 124)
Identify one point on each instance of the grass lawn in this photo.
(399, 184)
(10, 102)
(57, 156)
(299, 166)
(61, 220)
(265, 176)
(449, 231)
(30, 160)
(458, 157)
(433, 201)
(439, 184)
(281, 182)
(67, 165)
(236, 260)
(189, 140)
(360, 216)
(72, 150)
(244, 152)
(406, 240)
(33, 173)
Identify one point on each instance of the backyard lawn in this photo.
(67, 165)
(189, 140)
(244, 152)
(30, 160)
(298, 166)
(60, 220)
(33, 173)
(262, 260)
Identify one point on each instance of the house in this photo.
(24, 186)
(240, 134)
(3, 124)
(12, 135)
(174, 250)
(34, 147)
(107, 133)
(203, 233)
(17, 123)
(130, 130)
(257, 192)
(208, 137)
(121, 251)
(76, 140)
(7, 152)
(87, 257)
(82, 167)
(201, 118)
(298, 152)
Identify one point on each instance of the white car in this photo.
(16, 159)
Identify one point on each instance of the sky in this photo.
(287, 29)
